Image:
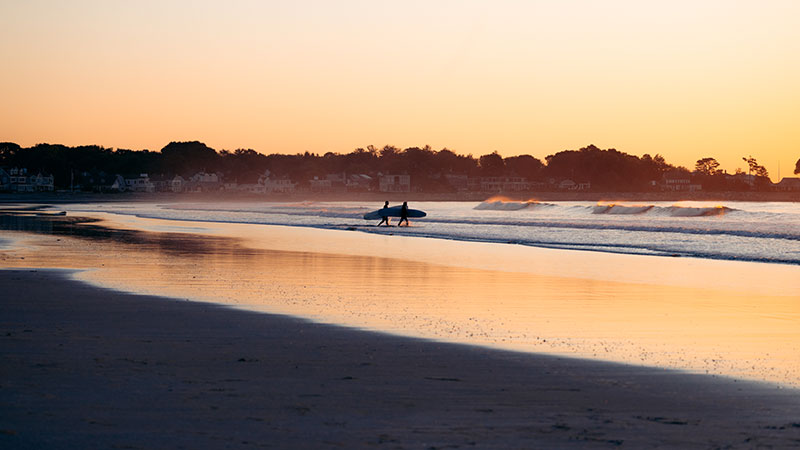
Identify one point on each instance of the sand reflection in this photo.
(718, 331)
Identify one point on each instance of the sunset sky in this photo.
(687, 79)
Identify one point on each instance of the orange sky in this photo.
(687, 79)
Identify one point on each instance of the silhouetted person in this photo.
(403, 214)
(385, 218)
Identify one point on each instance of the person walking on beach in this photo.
(385, 218)
(403, 214)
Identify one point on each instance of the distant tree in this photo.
(761, 173)
(362, 161)
(447, 161)
(524, 166)
(652, 168)
(418, 161)
(188, 158)
(707, 173)
(389, 159)
(752, 164)
(243, 165)
(491, 165)
(797, 167)
(706, 166)
(755, 168)
(7, 151)
(605, 169)
(389, 150)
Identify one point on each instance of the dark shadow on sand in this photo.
(86, 367)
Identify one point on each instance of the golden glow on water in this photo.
(750, 333)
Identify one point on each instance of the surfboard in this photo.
(393, 211)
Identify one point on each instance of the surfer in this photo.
(403, 214)
(385, 217)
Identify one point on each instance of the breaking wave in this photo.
(500, 203)
(688, 211)
(621, 209)
(504, 206)
(672, 211)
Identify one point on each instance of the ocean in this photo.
(745, 231)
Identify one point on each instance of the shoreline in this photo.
(594, 305)
(85, 366)
(67, 197)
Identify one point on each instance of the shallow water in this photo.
(720, 317)
(749, 231)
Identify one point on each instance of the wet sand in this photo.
(84, 367)
(697, 315)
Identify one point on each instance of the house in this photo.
(249, 184)
(5, 180)
(394, 183)
(458, 182)
(338, 180)
(678, 181)
(253, 188)
(359, 183)
(203, 182)
(567, 185)
(281, 185)
(140, 183)
(19, 180)
(42, 182)
(161, 183)
(504, 184)
(320, 185)
(92, 180)
(177, 184)
(203, 177)
(788, 184)
(118, 184)
(741, 179)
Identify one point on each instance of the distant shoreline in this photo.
(67, 197)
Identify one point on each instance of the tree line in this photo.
(605, 169)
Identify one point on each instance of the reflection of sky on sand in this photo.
(682, 324)
(772, 279)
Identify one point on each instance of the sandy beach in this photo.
(220, 359)
(399, 225)
(84, 367)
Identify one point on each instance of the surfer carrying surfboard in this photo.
(403, 214)
(385, 218)
(401, 211)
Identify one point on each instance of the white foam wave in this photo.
(621, 209)
(691, 211)
(672, 211)
(508, 205)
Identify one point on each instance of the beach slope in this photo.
(83, 367)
